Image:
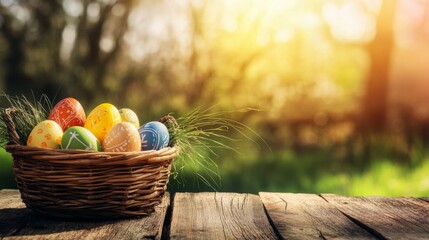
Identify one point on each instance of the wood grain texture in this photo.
(10, 198)
(391, 218)
(235, 216)
(308, 216)
(219, 216)
(29, 225)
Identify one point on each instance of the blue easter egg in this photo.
(154, 136)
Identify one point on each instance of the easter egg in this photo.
(46, 134)
(68, 112)
(123, 137)
(102, 119)
(128, 115)
(154, 136)
(77, 137)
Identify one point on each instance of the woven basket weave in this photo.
(87, 184)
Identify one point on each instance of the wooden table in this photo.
(236, 216)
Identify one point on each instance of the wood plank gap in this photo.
(167, 220)
(404, 218)
(270, 220)
(321, 234)
(393, 218)
(320, 195)
(365, 227)
(307, 216)
(424, 199)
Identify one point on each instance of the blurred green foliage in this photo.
(320, 171)
(7, 179)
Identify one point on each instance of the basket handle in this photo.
(172, 125)
(7, 117)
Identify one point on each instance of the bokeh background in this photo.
(341, 87)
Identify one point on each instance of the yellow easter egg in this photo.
(102, 119)
(128, 115)
(46, 134)
(123, 137)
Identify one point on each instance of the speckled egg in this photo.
(102, 119)
(123, 137)
(46, 134)
(154, 136)
(77, 137)
(68, 112)
(128, 115)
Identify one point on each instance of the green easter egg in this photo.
(77, 137)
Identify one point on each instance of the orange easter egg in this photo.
(123, 137)
(67, 113)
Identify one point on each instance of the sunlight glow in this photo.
(283, 36)
(107, 44)
(73, 8)
(93, 12)
(240, 29)
(153, 25)
(349, 22)
(118, 10)
(6, 3)
(68, 39)
(22, 14)
(229, 24)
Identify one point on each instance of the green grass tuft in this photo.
(27, 114)
(200, 134)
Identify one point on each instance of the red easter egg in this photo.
(67, 113)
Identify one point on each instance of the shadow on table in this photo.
(22, 222)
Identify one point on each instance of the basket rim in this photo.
(85, 157)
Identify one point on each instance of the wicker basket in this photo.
(86, 184)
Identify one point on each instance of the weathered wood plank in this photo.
(392, 218)
(10, 198)
(308, 216)
(219, 216)
(27, 225)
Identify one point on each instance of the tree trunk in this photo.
(377, 85)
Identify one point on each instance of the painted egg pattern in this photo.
(102, 119)
(128, 115)
(77, 137)
(46, 134)
(123, 137)
(154, 136)
(68, 112)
